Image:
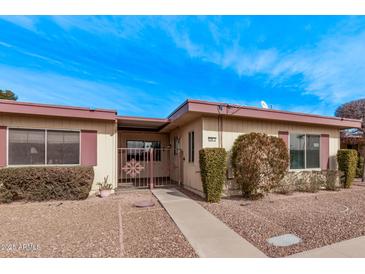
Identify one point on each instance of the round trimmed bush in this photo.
(259, 163)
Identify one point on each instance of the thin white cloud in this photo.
(225, 48)
(46, 87)
(248, 63)
(5, 44)
(27, 22)
(333, 69)
(117, 26)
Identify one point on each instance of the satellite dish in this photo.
(264, 105)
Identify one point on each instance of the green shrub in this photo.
(347, 163)
(360, 167)
(45, 183)
(212, 170)
(259, 163)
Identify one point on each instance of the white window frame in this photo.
(305, 152)
(45, 144)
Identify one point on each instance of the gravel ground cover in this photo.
(150, 232)
(90, 228)
(319, 219)
(86, 228)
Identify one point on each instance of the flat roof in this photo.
(218, 108)
(14, 107)
(185, 112)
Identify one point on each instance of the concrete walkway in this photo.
(209, 237)
(354, 248)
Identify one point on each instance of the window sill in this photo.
(53, 165)
(305, 169)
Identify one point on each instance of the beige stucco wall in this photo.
(233, 127)
(106, 139)
(190, 171)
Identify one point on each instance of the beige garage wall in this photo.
(106, 139)
(233, 127)
(191, 171)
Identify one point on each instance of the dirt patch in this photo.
(319, 219)
(90, 228)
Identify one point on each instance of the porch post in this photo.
(151, 168)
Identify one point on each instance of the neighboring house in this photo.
(353, 140)
(137, 151)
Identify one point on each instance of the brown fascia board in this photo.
(215, 108)
(13, 107)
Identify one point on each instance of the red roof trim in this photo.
(8, 106)
(259, 113)
(215, 108)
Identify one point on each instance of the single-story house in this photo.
(356, 140)
(141, 152)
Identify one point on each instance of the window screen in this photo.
(26, 147)
(63, 147)
(313, 151)
(40, 147)
(304, 151)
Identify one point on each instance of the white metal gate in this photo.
(153, 167)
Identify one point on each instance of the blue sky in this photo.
(147, 66)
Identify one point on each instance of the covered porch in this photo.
(146, 158)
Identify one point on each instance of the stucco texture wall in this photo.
(208, 127)
(190, 171)
(233, 127)
(106, 139)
